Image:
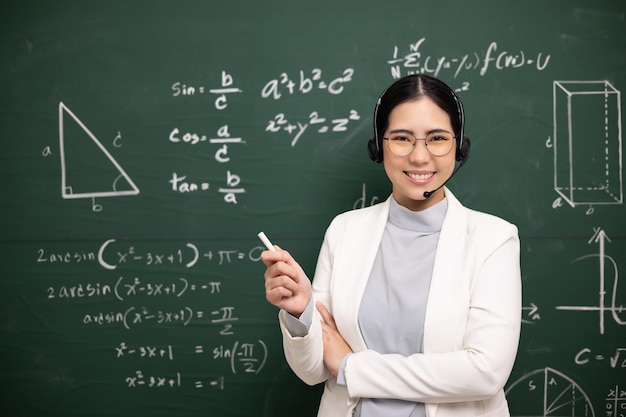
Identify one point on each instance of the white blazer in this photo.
(472, 323)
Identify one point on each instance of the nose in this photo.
(420, 151)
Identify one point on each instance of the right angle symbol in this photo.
(88, 170)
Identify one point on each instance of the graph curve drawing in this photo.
(547, 392)
(80, 182)
(608, 268)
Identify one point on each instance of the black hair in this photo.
(413, 87)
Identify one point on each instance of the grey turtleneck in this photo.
(391, 315)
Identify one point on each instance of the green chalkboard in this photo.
(144, 144)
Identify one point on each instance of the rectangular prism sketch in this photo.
(587, 142)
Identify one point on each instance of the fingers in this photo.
(280, 264)
(323, 311)
(283, 273)
(281, 279)
(335, 347)
(280, 255)
(328, 318)
(279, 288)
(276, 294)
(269, 257)
(286, 284)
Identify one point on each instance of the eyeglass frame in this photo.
(434, 132)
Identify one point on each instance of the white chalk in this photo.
(266, 241)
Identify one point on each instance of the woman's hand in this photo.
(335, 348)
(286, 285)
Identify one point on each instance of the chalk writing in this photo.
(136, 287)
(615, 402)
(180, 89)
(132, 287)
(187, 256)
(322, 124)
(88, 290)
(245, 357)
(145, 351)
(416, 60)
(117, 141)
(532, 313)
(587, 167)
(111, 255)
(181, 185)
(139, 380)
(250, 356)
(65, 257)
(217, 383)
(223, 139)
(241, 356)
(232, 188)
(558, 390)
(363, 200)
(305, 84)
(617, 359)
(118, 183)
(136, 316)
(600, 237)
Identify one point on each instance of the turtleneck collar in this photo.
(424, 222)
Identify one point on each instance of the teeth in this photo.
(420, 177)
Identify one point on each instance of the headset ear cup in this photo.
(463, 150)
(373, 152)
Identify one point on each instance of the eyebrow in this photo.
(413, 133)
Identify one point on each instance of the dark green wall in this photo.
(128, 249)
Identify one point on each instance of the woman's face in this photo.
(418, 172)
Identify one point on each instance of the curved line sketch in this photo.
(560, 396)
(66, 189)
(587, 142)
(115, 181)
(600, 238)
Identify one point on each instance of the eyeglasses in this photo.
(438, 143)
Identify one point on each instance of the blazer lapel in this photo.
(362, 237)
(449, 287)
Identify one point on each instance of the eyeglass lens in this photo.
(437, 143)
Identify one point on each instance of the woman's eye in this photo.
(400, 139)
(437, 138)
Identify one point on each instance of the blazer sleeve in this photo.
(473, 337)
(305, 355)
(351, 235)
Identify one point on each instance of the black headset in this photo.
(374, 146)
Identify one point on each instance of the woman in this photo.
(415, 306)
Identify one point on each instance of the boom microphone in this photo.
(427, 194)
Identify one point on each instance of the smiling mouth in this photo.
(419, 177)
